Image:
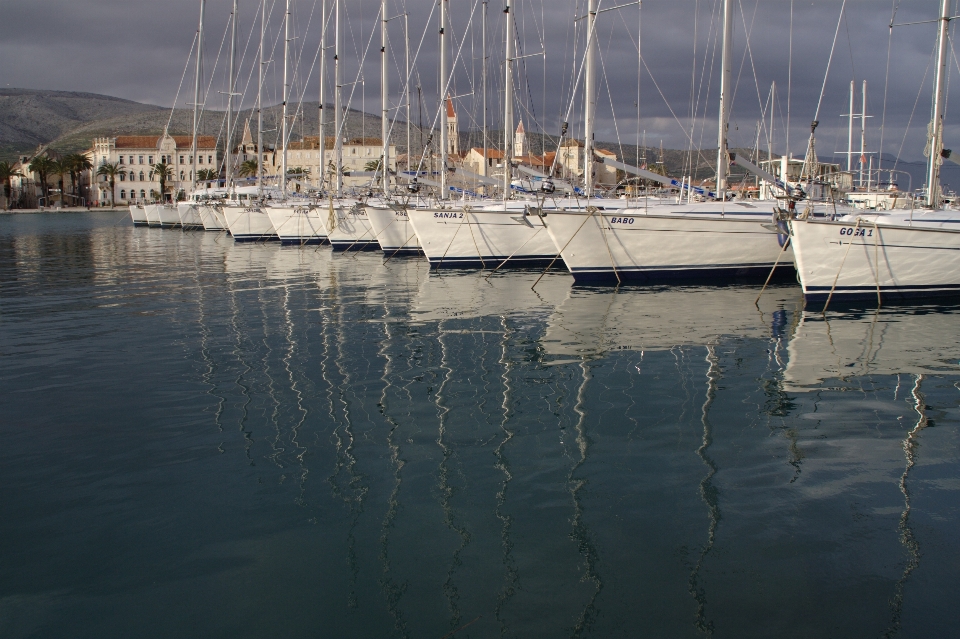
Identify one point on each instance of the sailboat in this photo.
(711, 240)
(895, 255)
(484, 234)
(247, 219)
(303, 222)
(388, 219)
(348, 226)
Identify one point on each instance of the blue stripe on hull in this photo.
(356, 246)
(403, 252)
(494, 261)
(817, 295)
(141, 224)
(256, 238)
(298, 242)
(708, 274)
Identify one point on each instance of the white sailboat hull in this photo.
(457, 238)
(898, 261)
(249, 224)
(352, 230)
(634, 246)
(394, 231)
(152, 213)
(211, 218)
(189, 215)
(299, 224)
(169, 217)
(138, 215)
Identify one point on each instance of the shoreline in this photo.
(66, 209)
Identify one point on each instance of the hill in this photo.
(68, 121)
(31, 117)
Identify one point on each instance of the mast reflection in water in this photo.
(205, 438)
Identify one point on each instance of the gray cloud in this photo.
(138, 51)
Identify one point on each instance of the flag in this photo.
(863, 159)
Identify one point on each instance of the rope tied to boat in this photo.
(837, 278)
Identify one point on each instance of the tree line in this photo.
(46, 166)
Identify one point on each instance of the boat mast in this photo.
(337, 113)
(260, 155)
(508, 103)
(850, 133)
(406, 86)
(726, 96)
(589, 98)
(863, 133)
(933, 171)
(231, 88)
(483, 81)
(286, 93)
(196, 95)
(773, 97)
(444, 126)
(321, 137)
(384, 102)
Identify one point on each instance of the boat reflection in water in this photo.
(898, 341)
(913, 345)
(380, 450)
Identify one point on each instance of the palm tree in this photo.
(111, 171)
(162, 172)
(372, 165)
(7, 173)
(248, 168)
(77, 163)
(60, 168)
(298, 173)
(208, 175)
(42, 165)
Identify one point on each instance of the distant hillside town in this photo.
(127, 169)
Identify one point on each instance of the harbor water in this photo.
(210, 439)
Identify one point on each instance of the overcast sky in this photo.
(138, 50)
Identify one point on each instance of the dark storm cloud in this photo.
(138, 50)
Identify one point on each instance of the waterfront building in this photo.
(358, 154)
(137, 154)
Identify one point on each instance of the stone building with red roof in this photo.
(136, 154)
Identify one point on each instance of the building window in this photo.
(181, 176)
(123, 194)
(123, 176)
(141, 176)
(140, 158)
(143, 194)
(121, 159)
(150, 159)
(199, 159)
(209, 159)
(132, 176)
(181, 159)
(244, 157)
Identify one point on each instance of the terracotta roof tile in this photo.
(151, 141)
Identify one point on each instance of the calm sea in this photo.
(206, 439)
